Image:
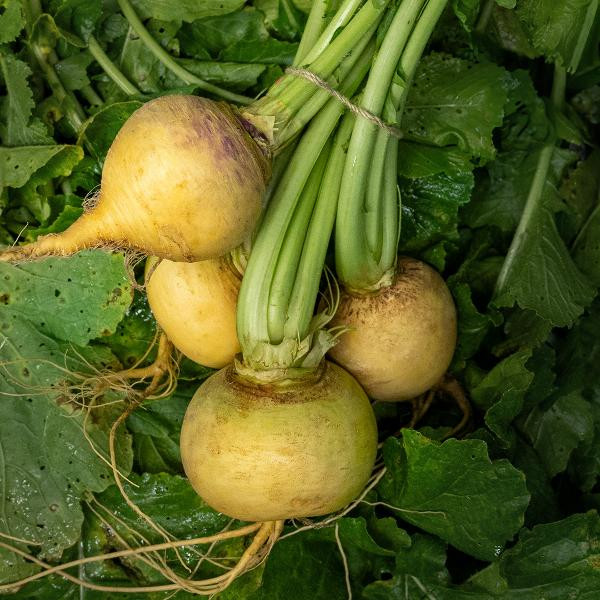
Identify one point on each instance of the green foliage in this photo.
(558, 31)
(454, 491)
(48, 463)
(447, 519)
(454, 102)
(186, 10)
(430, 208)
(18, 128)
(11, 21)
(26, 294)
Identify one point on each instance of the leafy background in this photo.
(509, 510)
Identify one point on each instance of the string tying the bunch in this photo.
(354, 108)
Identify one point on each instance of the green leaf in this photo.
(155, 433)
(73, 70)
(454, 491)
(586, 249)
(134, 334)
(215, 34)
(418, 160)
(17, 127)
(237, 76)
(47, 463)
(17, 165)
(80, 16)
(11, 21)
(552, 561)
(55, 294)
(454, 102)
(556, 431)
(543, 506)
(34, 193)
(584, 466)
(49, 588)
(555, 560)
(526, 123)
(302, 567)
(172, 505)
(539, 273)
(47, 34)
(587, 104)
(523, 329)
(282, 17)
(184, 10)
(69, 210)
(500, 198)
(543, 276)
(38, 435)
(430, 208)
(309, 564)
(579, 190)
(558, 31)
(100, 129)
(167, 499)
(542, 364)
(466, 11)
(508, 32)
(270, 51)
(501, 393)
(473, 326)
(579, 352)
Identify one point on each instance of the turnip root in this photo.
(401, 338)
(195, 305)
(184, 180)
(267, 452)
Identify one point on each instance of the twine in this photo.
(357, 110)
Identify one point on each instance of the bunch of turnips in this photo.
(237, 241)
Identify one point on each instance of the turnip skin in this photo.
(262, 452)
(401, 339)
(195, 305)
(183, 180)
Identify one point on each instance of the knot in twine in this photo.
(353, 108)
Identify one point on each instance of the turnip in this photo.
(268, 452)
(185, 177)
(401, 337)
(195, 305)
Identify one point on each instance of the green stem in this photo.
(341, 18)
(110, 68)
(72, 110)
(170, 62)
(313, 29)
(312, 36)
(295, 124)
(534, 199)
(390, 211)
(254, 324)
(90, 94)
(305, 288)
(485, 16)
(292, 93)
(360, 229)
(282, 283)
